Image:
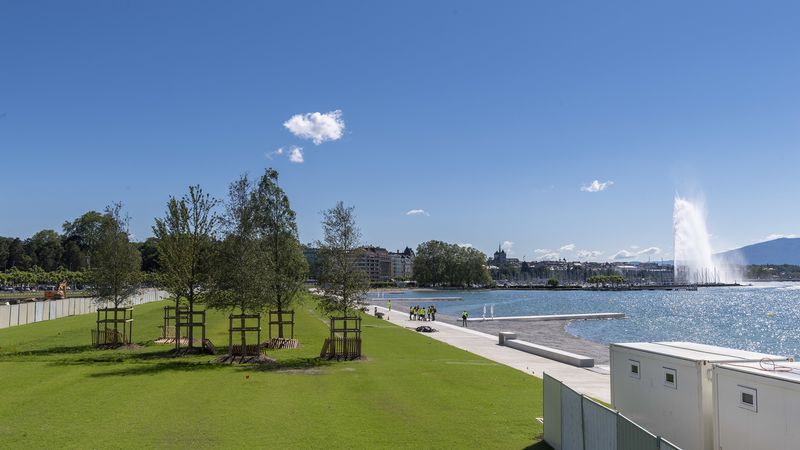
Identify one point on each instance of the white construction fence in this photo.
(30, 312)
(576, 422)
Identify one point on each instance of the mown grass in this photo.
(411, 391)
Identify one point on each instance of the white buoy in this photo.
(491, 309)
(484, 311)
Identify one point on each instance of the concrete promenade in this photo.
(585, 381)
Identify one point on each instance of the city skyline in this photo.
(556, 131)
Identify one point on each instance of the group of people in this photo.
(422, 313)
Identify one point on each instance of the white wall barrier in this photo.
(575, 422)
(30, 312)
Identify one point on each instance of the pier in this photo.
(422, 299)
(590, 316)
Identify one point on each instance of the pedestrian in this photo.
(410, 313)
(464, 317)
(433, 313)
(390, 310)
(424, 314)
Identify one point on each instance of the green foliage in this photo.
(606, 279)
(344, 284)
(115, 275)
(440, 263)
(552, 282)
(276, 226)
(240, 263)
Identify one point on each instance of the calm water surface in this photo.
(764, 317)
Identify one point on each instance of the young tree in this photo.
(241, 267)
(344, 285)
(276, 225)
(115, 276)
(185, 238)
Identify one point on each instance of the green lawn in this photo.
(411, 391)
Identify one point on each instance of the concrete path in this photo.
(585, 381)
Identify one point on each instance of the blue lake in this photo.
(764, 317)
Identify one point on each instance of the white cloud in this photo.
(417, 212)
(772, 237)
(597, 186)
(465, 245)
(319, 127)
(550, 256)
(542, 250)
(588, 254)
(277, 152)
(508, 246)
(296, 155)
(625, 254)
(567, 248)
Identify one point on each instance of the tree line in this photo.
(439, 263)
(70, 250)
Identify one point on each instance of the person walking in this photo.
(433, 313)
(464, 317)
(390, 310)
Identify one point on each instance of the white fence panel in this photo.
(599, 426)
(39, 314)
(14, 315)
(572, 420)
(5, 316)
(552, 411)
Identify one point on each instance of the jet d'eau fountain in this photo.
(694, 260)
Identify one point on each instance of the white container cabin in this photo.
(757, 405)
(666, 387)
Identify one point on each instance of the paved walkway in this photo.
(585, 381)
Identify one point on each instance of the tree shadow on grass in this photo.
(62, 350)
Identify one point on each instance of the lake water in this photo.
(764, 317)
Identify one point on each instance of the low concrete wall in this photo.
(550, 353)
(30, 312)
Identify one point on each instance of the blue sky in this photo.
(489, 116)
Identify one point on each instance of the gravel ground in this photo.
(550, 333)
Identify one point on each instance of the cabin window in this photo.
(748, 398)
(670, 378)
(635, 369)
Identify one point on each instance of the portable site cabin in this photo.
(757, 405)
(666, 387)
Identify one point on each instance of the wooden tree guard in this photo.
(278, 320)
(106, 337)
(347, 344)
(244, 353)
(176, 329)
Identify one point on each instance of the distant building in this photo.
(402, 264)
(376, 262)
(311, 258)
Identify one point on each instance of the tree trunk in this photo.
(280, 321)
(191, 321)
(244, 337)
(177, 323)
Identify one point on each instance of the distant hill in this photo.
(778, 251)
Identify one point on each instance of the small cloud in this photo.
(319, 127)
(772, 237)
(542, 251)
(550, 256)
(597, 186)
(625, 254)
(567, 248)
(508, 246)
(465, 245)
(277, 152)
(296, 155)
(588, 254)
(417, 212)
